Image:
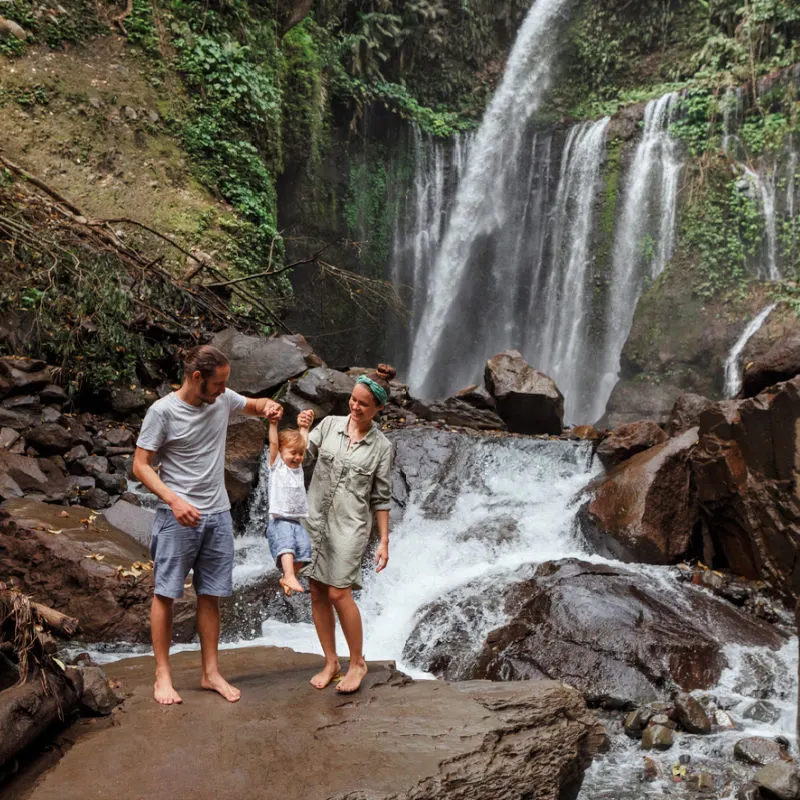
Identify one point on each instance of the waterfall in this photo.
(644, 236)
(733, 373)
(764, 187)
(481, 206)
(732, 114)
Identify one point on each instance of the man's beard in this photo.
(204, 396)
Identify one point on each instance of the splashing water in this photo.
(733, 372)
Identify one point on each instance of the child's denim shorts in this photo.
(288, 536)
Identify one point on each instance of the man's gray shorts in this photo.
(206, 549)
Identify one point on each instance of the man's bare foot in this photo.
(290, 584)
(216, 683)
(352, 681)
(328, 673)
(164, 692)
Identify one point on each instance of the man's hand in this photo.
(305, 419)
(382, 556)
(185, 513)
(273, 411)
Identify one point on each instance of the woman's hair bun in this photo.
(386, 371)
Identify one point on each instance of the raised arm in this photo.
(305, 419)
(274, 415)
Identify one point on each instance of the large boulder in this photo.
(23, 475)
(458, 413)
(79, 564)
(406, 740)
(645, 509)
(260, 365)
(780, 363)
(628, 440)
(50, 438)
(686, 413)
(327, 388)
(134, 520)
(610, 632)
(244, 445)
(632, 400)
(527, 400)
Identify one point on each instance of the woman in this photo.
(351, 483)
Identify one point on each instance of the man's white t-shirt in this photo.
(190, 442)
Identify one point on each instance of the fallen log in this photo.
(57, 622)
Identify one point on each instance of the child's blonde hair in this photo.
(291, 438)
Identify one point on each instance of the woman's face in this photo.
(363, 406)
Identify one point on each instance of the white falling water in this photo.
(764, 188)
(480, 206)
(732, 113)
(644, 236)
(733, 369)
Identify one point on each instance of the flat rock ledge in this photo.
(396, 738)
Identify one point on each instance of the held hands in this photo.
(273, 411)
(305, 419)
(185, 513)
(382, 556)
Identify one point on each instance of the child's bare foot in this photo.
(326, 675)
(164, 692)
(352, 681)
(216, 683)
(290, 584)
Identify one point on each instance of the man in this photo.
(192, 529)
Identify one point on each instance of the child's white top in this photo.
(287, 491)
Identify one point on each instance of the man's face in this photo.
(211, 388)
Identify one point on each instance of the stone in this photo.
(81, 433)
(25, 472)
(636, 721)
(50, 438)
(327, 388)
(119, 437)
(780, 363)
(691, 715)
(260, 365)
(723, 720)
(632, 400)
(131, 519)
(759, 751)
(112, 483)
(123, 463)
(9, 488)
(52, 414)
(96, 498)
(243, 448)
(94, 465)
(100, 446)
(749, 791)
(77, 453)
(20, 375)
(703, 782)
(762, 711)
(645, 509)
(52, 393)
(607, 630)
(478, 397)
(657, 737)
(779, 780)
(686, 413)
(528, 401)
(17, 420)
(7, 438)
(23, 402)
(627, 440)
(458, 413)
(130, 497)
(56, 571)
(127, 401)
(651, 770)
(586, 433)
(410, 740)
(98, 698)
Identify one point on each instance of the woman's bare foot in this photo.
(164, 692)
(326, 675)
(291, 583)
(216, 683)
(352, 681)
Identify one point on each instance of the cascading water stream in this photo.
(764, 187)
(481, 205)
(733, 370)
(644, 236)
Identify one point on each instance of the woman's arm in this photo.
(380, 500)
(382, 553)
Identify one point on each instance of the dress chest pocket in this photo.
(359, 479)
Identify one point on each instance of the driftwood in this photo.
(56, 621)
(9, 26)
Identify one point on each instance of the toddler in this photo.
(288, 539)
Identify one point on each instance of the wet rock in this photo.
(762, 711)
(758, 751)
(606, 630)
(55, 569)
(627, 440)
(50, 438)
(326, 388)
(94, 465)
(632, 400)
(243, 449)
(260, 365)
(686, 413)
(584, 433)
(126, 401)
(98, 698)
(690, 715)
(645, 510)
(112, 483)
(131, 519)
(119, 437)
(478, 397)
(20, 375)
(778, 781)
(723, 720)
(123, 464)
(636, 721)
(528, 401)
(458, 413)
(651, 770)
(657, 737)
(96, 498)
(24, 471)
(81, 433)
(703, 782)
(780, 363)
(749, 791)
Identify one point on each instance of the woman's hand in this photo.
(382, 556)
(305, 419)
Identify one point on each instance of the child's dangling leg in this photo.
(289, 582)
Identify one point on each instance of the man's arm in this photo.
(143, 471)
(262, 407)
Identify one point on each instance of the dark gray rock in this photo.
(690, 715)
(94, 465)
(76, 453)
(126, 401)
(22, 375)
(81, 434)
(23, 402)
(778, 781)
(327, 388)
(52, 414)
(53, 393)
(759, 751)
(50, 438)
(780, 363)
(478, 397)
(122, 464)
(762, 711)
(96, 499)
(112, 483)
(686, 413)
(132, 519)
(7, 438)
(98, 697)
(17, 420)
(458, 413)
(119, 437)
(528, 401)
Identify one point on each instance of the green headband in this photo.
(381, 395)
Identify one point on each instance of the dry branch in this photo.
(56, 621)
